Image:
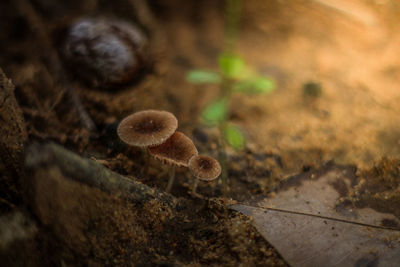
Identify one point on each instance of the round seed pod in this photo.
(204, 168)
(177, 150)
(104, 52)
(147, 128)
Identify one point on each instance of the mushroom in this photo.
(156, 131)
(147, 128)
(175, 151)
(203, 168)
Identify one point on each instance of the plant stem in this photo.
(232, 20)
(223, 158)
(226, 92)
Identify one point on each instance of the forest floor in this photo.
(350, 50)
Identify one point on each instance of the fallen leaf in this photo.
(310, 222)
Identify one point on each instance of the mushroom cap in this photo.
(177, 150)
(147, 128)
(204, 167)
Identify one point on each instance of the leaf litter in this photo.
(332, 217)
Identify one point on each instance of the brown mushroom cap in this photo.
(147, 128)
(178, 149)
(204, 167)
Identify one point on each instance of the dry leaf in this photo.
(308, 222)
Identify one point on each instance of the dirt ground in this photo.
(350, 49)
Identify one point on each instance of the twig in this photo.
(90, 172)
(316, 216)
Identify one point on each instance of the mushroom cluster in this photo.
(156, 131)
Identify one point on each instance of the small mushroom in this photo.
(147, 128)
(176, 151)
(203, 168)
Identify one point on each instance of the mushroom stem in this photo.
(194, 189)
(171, 179)
(195, 184)
(146, 160)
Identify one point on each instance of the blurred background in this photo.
(347, 48)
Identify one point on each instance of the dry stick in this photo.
(54, 63)
(90, 172)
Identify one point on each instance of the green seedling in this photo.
(233, 76)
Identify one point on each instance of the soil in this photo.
(349, 51)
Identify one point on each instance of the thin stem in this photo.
(146, 160)
(226, 92)
(195, 184)
(194, 189)
(171, 179)
(223, 158)
(232, 20)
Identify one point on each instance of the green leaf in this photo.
(215, 112)
(230, 65)
(255, 85)
(203, 76)
(248, 72)
(234, 137)
(243, 87)
(263, 85)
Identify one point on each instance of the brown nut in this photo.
(104, 52)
